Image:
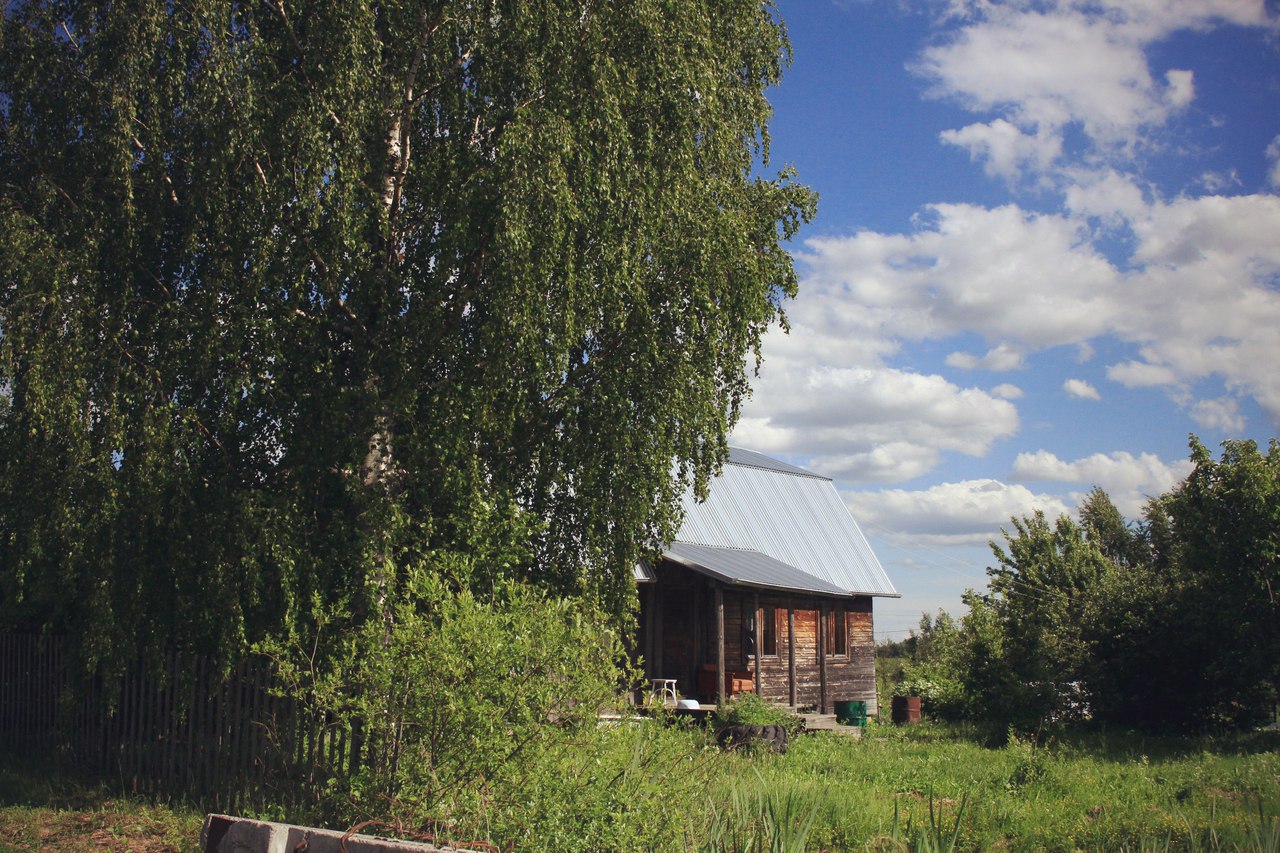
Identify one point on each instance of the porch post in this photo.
(755, 619)
(822, 657)
(720, 672)
(655, 631)
(791, 650)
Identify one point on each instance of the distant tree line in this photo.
(1169, 622)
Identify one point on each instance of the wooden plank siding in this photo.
(687, 628)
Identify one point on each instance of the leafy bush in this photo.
(458, 701)
(748, 709)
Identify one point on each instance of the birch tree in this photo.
(298, 297)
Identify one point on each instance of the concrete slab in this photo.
(227, 834)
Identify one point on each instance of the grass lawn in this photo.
(1084, 791)
(55, 812)
(911, 788)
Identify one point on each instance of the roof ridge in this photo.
(743, 457)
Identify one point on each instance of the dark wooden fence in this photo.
(180, 730)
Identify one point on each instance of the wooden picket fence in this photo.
(180, 730)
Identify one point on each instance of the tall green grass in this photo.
(928, 788)
(945, 788)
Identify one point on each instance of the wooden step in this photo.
(828, 723)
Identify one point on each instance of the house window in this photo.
(769, 631)
(835, 636)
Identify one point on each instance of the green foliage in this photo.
(933, 673)
(1171, 624)
(748, 709)
(906, 785)
(757, 819)
(1226, 517)
(297, 296)
(1192, 635)
(1030, 763)
(456, 696)
(933, 837)
(645, 786)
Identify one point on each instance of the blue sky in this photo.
(1047, 250)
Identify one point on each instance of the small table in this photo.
(663, 688)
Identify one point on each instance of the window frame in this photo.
(768, 617)
(836, 632)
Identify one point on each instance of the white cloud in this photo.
(1205, 300)
(1197, 298)
(1013, 276)
(970, 512)
(1001, 358)
(888, 462)
(869, 424)
(1005, 150)
(1081, 390)
(1128, 479)
(1044, 67)
(1141, 374)
(1112, 197)
(1222, 414)
(1180, 88)
(1178, 291)
(1216, 182)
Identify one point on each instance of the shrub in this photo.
(748, 709)
(457, 700)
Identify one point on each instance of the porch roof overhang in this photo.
(746, 567)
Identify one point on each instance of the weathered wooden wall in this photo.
(684, 629)
(851, 673)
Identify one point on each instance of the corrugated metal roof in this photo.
(643, 572)
(752, 459)
(788, 514)
(747, 568)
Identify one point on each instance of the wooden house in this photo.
(768, 587)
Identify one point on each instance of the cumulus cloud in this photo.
(968, 512)
(1024, 62)
(1140, 374)
(1005, 150)
(870, 424)
(1081, 390)
(1106, 194)
(1000, 358)
(1222, 414)
(1128, 479)
(1179, 291)
(888, 462)
(1196, 298)
(1013, 276)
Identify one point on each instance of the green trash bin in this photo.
(851, 713)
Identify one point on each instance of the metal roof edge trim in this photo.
(768, 463)
(721, 576)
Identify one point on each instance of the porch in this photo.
(790, 648)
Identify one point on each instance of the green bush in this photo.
(453, 696)
(748, 709)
